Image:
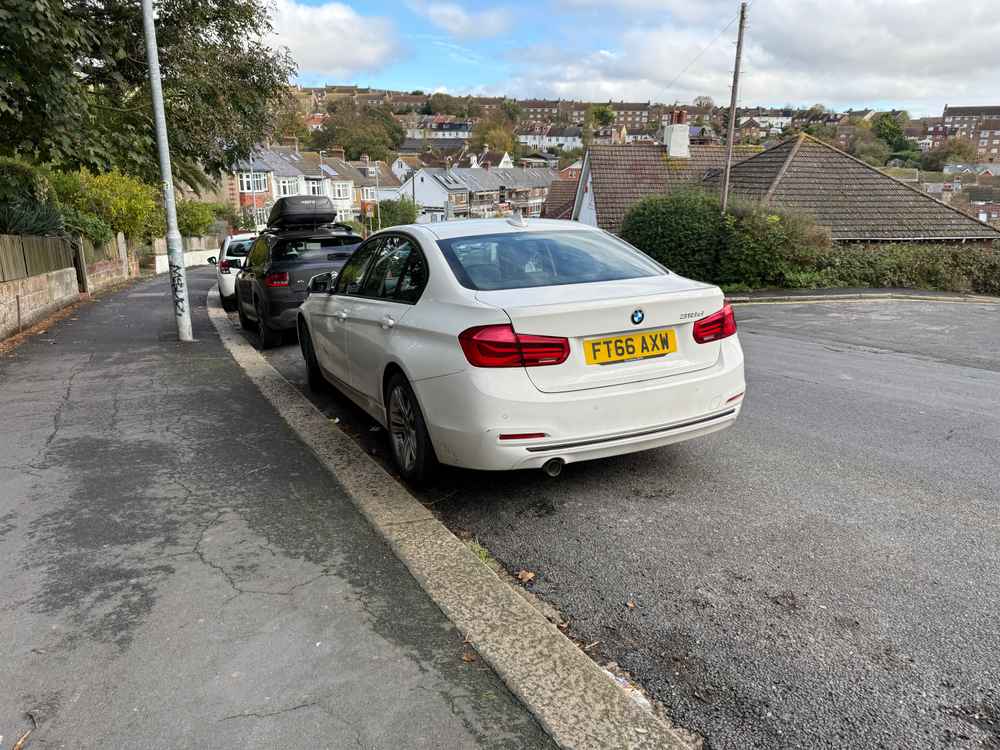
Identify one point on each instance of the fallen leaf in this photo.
(590, 645)
(468, 657)
(525, 576)
(630, 604)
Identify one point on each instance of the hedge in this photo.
(755, 247)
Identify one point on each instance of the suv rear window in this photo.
(530, 259)
(289, 249)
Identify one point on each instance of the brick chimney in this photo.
(337, 152)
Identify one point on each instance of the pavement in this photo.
(178, 570)
(823, 575)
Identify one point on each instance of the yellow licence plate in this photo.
(645, 345)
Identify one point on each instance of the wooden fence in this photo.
(21, 257)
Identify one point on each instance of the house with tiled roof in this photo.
(855, 201)
(559, 201)
(616, 177)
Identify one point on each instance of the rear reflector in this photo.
(501, 346)
(734, 398)
(276, 279)
(524, 436)
(716, 326)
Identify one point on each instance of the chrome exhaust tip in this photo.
(553, 467)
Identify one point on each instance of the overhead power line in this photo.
(707, 47)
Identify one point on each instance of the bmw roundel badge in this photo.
(638, 316)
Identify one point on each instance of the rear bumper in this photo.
(227, 284)
(283, 310)
(467, 412)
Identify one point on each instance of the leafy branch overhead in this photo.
(74, 85)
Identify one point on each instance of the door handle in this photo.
(388, 322)
(341, 315)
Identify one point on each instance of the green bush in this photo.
(80, 223)
(394, 213)
(125, 204)
(22, 182)
(194, 217)
(757, 246)
(685, 231)
(27, 217)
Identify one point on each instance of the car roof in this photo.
(242, 236)
(471, 227)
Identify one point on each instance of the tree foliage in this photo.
(952, 151)
(366, 130)
(74, 86)
(603, 116)
(496, 133)
(396, 212)
(704, 102)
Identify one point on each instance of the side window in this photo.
(387, 267)
(258, 254)
(414, 279)
(351, 275)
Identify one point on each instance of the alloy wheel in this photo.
(403, 428)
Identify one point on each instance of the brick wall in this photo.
(25, 301)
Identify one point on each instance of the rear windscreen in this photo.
(239, 248)
(290, 249)
(519, 260)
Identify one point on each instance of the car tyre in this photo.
(229, 303)
(317, 382)
(266, 336)
(245, 322)
(409, 440)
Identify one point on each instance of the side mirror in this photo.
(212, 260)
(322, 283)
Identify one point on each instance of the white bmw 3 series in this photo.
(515, 344)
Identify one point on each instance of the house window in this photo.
(253, 182)
(368, 193)
(288, 186)
(315, 187)
(341, 190)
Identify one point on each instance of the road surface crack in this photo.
(268, 714)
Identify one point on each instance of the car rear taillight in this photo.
(279, 278)
(716, 326)
(501, 346)
(223, 266)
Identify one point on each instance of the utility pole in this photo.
(733, 116)
(175, 251)
(378, 203)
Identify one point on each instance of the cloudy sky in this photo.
(912, 54)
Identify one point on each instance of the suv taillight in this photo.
(279, 278)
(501, 346)
(716, 326)
(223, 266)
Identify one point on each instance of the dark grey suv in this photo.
(274, 278)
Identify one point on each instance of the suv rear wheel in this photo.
(267, 336)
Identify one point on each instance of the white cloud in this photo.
(844, 53)
(332, 39)
(459, 22)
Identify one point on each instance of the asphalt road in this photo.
(177, 570)
(823, 575)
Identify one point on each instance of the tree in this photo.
(952, 151)
(887, 128)
(396, 212)
(368, 130)
(704, 102)
(603, 116)
(496, 134)
(75, 89)
(511, 111)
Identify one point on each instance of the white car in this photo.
(232, 252)
(515, 344)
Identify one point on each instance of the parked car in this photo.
(232, 251)
(512, 344)
(300, 241)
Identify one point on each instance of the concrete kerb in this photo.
(576, 702)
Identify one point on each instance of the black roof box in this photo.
(301, 212)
